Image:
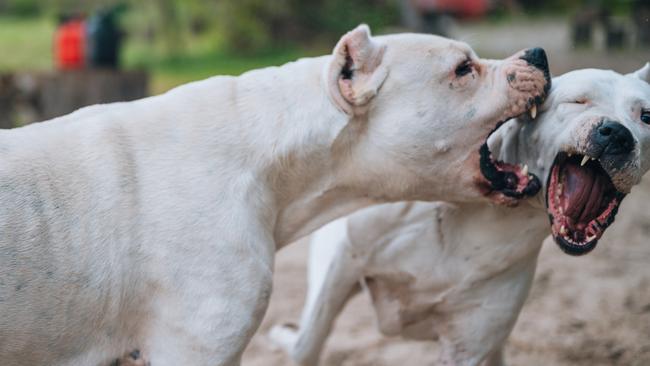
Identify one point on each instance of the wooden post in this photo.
(31, 97)
(7, 100)
(65, 92)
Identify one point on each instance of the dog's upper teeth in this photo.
(533, 111)
(585, 159)
(524, 171)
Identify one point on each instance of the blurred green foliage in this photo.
(249, 25)
(21, 8)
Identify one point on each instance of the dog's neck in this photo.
(513, 234)
(304, 157)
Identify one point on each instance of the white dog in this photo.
(461, 272)
(154, 224)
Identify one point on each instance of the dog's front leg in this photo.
(210, 301)
(475, 336)
(333, 278)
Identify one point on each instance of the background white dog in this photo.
(461, 272)
(153, 224)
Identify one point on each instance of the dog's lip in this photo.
(573, 240)
(509, 180)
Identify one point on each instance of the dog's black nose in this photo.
(536, 57)
(614, 138)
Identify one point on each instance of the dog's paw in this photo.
(133, 358)
(284, 336)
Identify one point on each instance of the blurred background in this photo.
(59, 55)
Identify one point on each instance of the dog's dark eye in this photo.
(645, 116)
(464, 68)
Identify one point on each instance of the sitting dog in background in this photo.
(461, 272)
(153, 224)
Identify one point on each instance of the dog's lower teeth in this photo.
(563, 230)
(590, 238)
(533, 111)
(524, 171)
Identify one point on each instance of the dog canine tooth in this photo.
(585, 159)
(524, 171)
(563, 230)
(590, 238)
(533, 111)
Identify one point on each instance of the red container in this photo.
(70, 45)
(461, 8)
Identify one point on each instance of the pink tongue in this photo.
(583, 190)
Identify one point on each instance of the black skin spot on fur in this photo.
(537, 57)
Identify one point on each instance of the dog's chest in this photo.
(399, 305)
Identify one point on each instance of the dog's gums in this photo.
(582, 202)
(513, 181)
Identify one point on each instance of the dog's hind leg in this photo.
(333, 278)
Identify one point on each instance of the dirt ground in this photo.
(592, 310)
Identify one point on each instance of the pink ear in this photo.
(357, 47)
(355, 70)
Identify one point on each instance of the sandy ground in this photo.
(592, 310)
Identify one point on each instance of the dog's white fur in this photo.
(153, 224)
(461, 272)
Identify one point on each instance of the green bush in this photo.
(21, 8)
(253, 25)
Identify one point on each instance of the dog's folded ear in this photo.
(643, 73)
(356, 72)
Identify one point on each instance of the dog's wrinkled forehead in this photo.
(582, 99)
(602, 91)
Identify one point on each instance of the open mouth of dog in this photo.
(511, 180)
(582, 202)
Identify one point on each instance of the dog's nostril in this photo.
(605, 130)
(615, 138)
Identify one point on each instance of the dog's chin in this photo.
(582, 202)
(506, 183)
